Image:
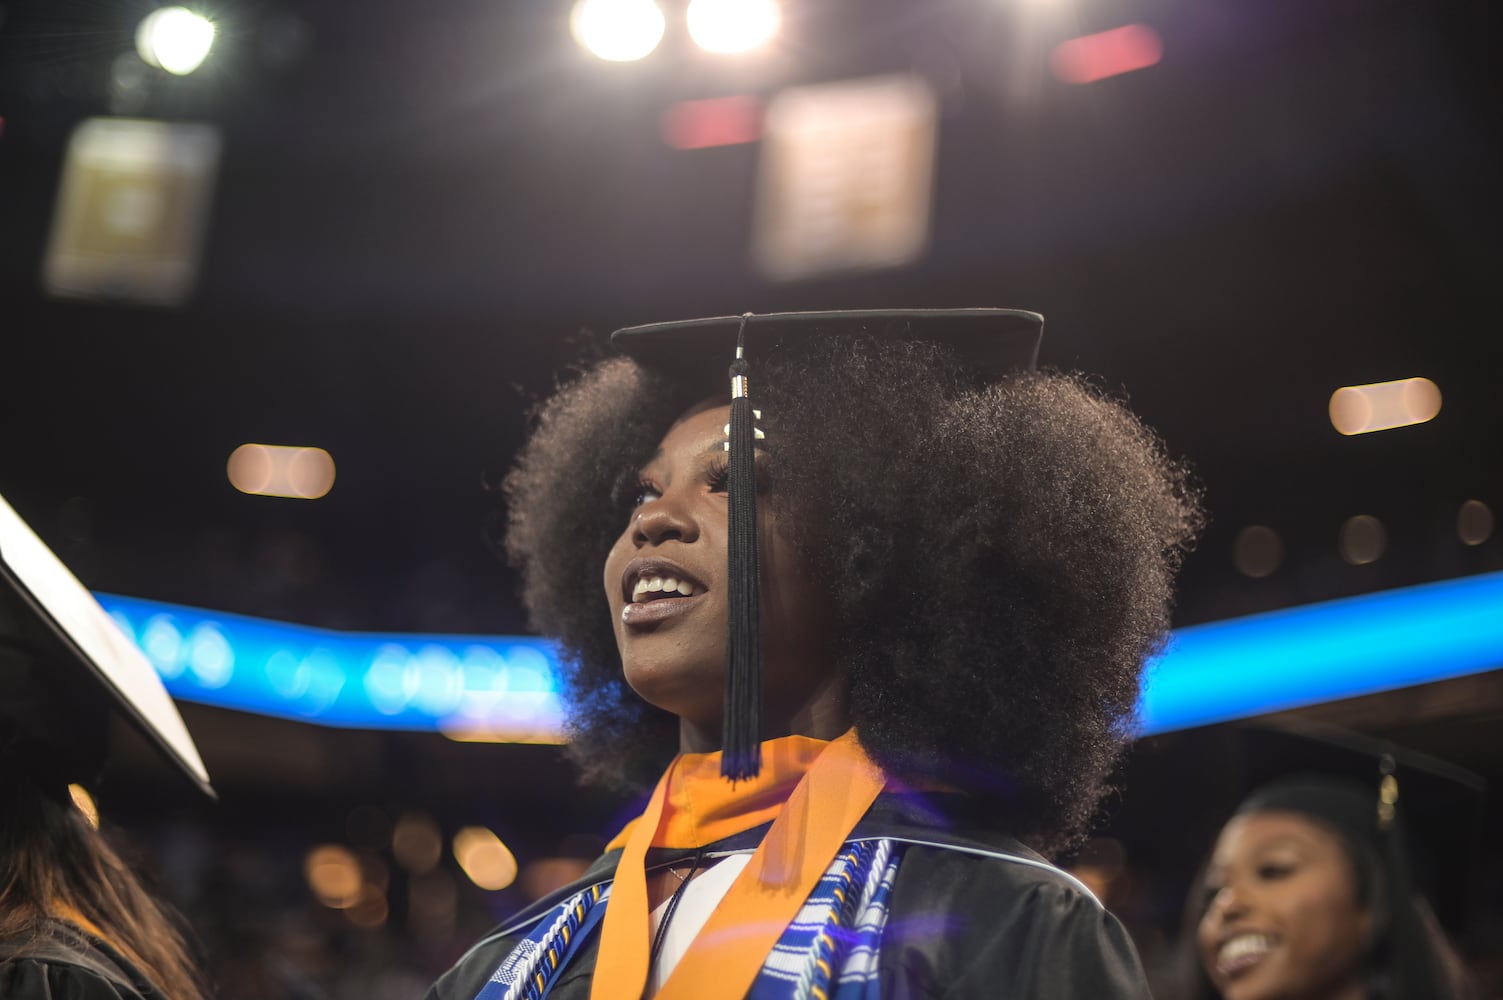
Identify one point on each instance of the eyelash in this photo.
(1270, 872)
(717, 478)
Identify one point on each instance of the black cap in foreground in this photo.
(65, 666)
(709, 355)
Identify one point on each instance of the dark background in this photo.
(425, 211)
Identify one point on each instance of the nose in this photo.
(1229, 903)
(663, 520)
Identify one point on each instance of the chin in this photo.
(685, 689)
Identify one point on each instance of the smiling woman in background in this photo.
(891, 611)
(1308, 895)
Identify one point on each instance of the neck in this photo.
(821, 716)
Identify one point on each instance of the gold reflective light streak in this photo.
(272, 470)
(85, 803)
(1381, 406)
(484, 858)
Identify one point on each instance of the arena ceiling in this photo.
(423, 212)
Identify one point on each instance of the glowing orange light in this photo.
(333, 873)
(1107, 53)
(717, 121)
(370, 910)
(278, 471)
(484, 858)
(1381, 406)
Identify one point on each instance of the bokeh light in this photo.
(1106, 54)
(1258, 551)
(370, 909)
(484, 858)
(271, 470)
(333, 873)
(1362, 540)
(618, 30)
(546, 875)
(1381, 406)
(175, 39)
(416, 843)
(1474, 522)
(729, 26)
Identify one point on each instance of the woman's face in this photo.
(1285, 919)
(673, 648)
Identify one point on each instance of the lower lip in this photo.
(652, 612)
(1233, 969)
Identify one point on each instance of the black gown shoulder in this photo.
(974, 913)
(63, 963)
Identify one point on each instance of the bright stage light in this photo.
(733, 25)
(617, 30)
(175, 39)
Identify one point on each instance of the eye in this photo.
(631, 490)
(1272, 871)
(645, 492)
(718, 474)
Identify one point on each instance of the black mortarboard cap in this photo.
(1424, 814)
(65, 666)
(703, 355)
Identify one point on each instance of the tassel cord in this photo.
(743, 693)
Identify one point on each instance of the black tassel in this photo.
(742, 741)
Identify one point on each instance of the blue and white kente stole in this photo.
(828, 952)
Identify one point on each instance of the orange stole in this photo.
(822, 809)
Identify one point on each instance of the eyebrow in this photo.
(716, 447)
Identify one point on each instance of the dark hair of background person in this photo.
(53, 860)
(1001, 556)
(1407, 957)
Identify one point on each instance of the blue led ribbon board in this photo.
(508, 688)
(1323, 652)
(482, 687)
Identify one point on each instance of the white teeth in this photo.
(661, 584)
(1243, 946)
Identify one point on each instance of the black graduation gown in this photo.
(973, 913)
(64, 963)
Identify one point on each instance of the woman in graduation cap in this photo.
(76, 922)
(1308, 894)
(888, 600)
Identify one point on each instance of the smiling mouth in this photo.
(657, 588)
(1240, 953)
(656, 591)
